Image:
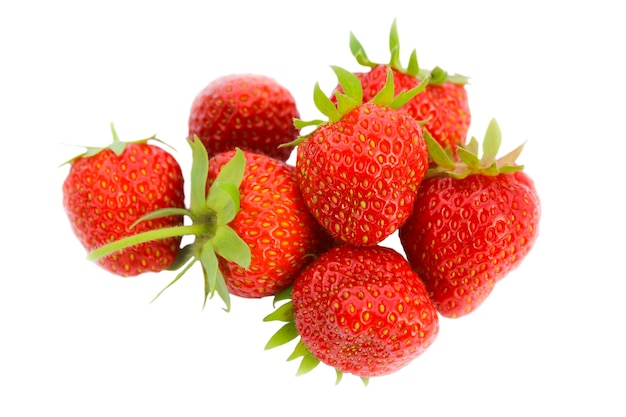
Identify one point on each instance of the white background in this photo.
(76, 341)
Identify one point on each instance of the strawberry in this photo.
(108, 189)
(360, 170)
(474, 222)
(361, 310)
(252, 232)
(248, 111)
(443, 106)
(275, 223)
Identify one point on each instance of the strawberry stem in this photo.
(196, 229)
(117, 146)
(114, 133)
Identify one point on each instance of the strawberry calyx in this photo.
(210, 213)
(352, 97)
(469, 162)
(288, 332)
(436, 76)
(394, 48)
(117, 146)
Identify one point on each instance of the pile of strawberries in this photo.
(391, 156)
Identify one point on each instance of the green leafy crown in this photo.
(288, 332)
(436, 76)
(468, 161)
(117, 146)
(351, 98)
(210, 214)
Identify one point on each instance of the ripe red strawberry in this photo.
(443, 105)
(252, 231)
(361, 310)
(473, 223)
(359, 172)
(108, 189)
(247, 111)
(275, 223)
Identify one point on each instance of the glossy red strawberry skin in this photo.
(359, 176)
(467, 234)
(444, 107)
(275, 223)
(104, 194)
(249, 111)
(362, 310)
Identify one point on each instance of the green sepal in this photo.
(232, 172)
(339, 376)
(508, 161)
(214, 279)
(301, 124)
(324, 105)
(491, 170)
(436, 152)
(117, 146)
(283, 295)
(351, 86)
(438, 76)
(386, 94)
(359, 53)
(394, 46)
(282, 313)
(405, 96)
(352, 95)
(470, 162)
(470, 159)
(285, 334)
(295, 142)
(510, 169)
(210, 265)
(199, 173)
(345, 103)
(491, 143)
(178, 276)
(299, 351)
(394, 49)
(222, 290)
(183, 256)
(307, 364)
(472, 146)
(413, 68)
(308, 361)
(223, 200)
(231, 247)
